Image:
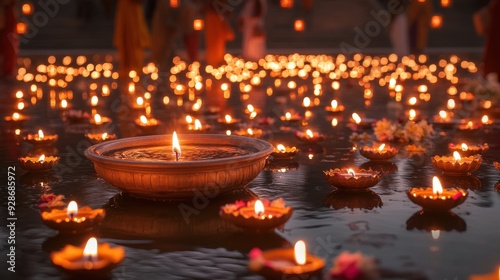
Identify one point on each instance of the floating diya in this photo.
(382, 152)
(469, 126)
(334, 107)
(95, 138)
(16, 118)
(285, 263)
(456, 164)
(40, 138)
(38, 163)
(72, 219)
(436, 199)
(445, 119)
(257, 215)
(309, 136)
(282, 152)
(352, 179)
(92, 261)
(468, 150)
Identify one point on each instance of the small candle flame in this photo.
(143, 119)
(197, 124)
(259, 208)
(435, 234)
(40, 134)
(72, 209)
(41, 159)
(457, 156)
(189, 119)
(309, 133)
(335, 122)
(300, 252)
(413, 114)
(64, 104)
(139, 101)
(131, 87)
(412, 101)
(228, 118)
(281, 148)
(381, 147)
(450, 104)
(97, 119)
(228, 132)
(485, 119)
(470, 124)
(90, 251)
(306, 102)
(436, 186)
(196, 106)
(288, 116)
(464, 147)
(250, 108)
(176, 147)
(104, 136)
(94, 100)
(15, 116)
(443, 114)
(250, 131)
(356, 118)
(334, 104)
(351, 172)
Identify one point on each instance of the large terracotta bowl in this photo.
(163, 180)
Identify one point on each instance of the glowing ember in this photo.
(72, 209)
(90, 251)
(436, 186)
(300, 252)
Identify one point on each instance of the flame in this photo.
(228, 118)
(470, 125)
(104, 136)
(189, 119)
(176, 147)
(443, 114)
(40, 134)
(335, 122)
(450, 104)
(97, 119)
(90, 251)
(281, 148)
(412, 101)
(381, 148)
(131, 87)
(288, 116)
(197, 124)
(250, 108)
(15, 116)
(72, 209)
(259, 208)
(435, 234)
(334, 104)
(436, 186)
(250, 131)
(464, 147)
(485, 119)
(94, 100)
(306, 102)
(64, 104)
(457, 156)
(41, 158)
(105, 90)
(309, 133)
(196, 106)
(300, 252)
(356, 118)
(413, 114)
(143, 119)
(351, 172)
(228, 132)
(140, 101)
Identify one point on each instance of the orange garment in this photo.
(131, 35)
(216, 34)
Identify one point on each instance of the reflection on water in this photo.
(384, 167)
(363, 199)
(446, 221)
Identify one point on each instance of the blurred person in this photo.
(398, 31)
(217, 32)
(9, 45)
(131, 36)
(492, 47)
(251, 21)
(419, 18)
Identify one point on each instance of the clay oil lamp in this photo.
(257, 215)
(468, 150)
(249, 132)
(351, 179)
(309, 136)
(290, 119)
(356, 122)
(38, 163)
(197, 127)
(147, 125)
(40, 139)
(436, 199)
(456, 164)
(72, 219)
(92, 261)
(229, 122)
(469, 126)
(334, 107)
(16, 119)
(485, 120)
(95, 138)
(382, 152)
(444, 119)
(286, 263)
(283, 152)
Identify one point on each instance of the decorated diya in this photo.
(468, 150)
(72, 219)
(283, 152)
(284, 263)
(257, 215)
(437, 199)
(38, 163)
(382, 152)
(90, 261)
(334, 107)
(40, 138)
(352, 179)
(152, 167)
(456, 164)
(309, 136)
(95, 138)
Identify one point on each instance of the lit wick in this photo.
(176, 148)
(72, 209)
(259, 208)
(90, 250)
